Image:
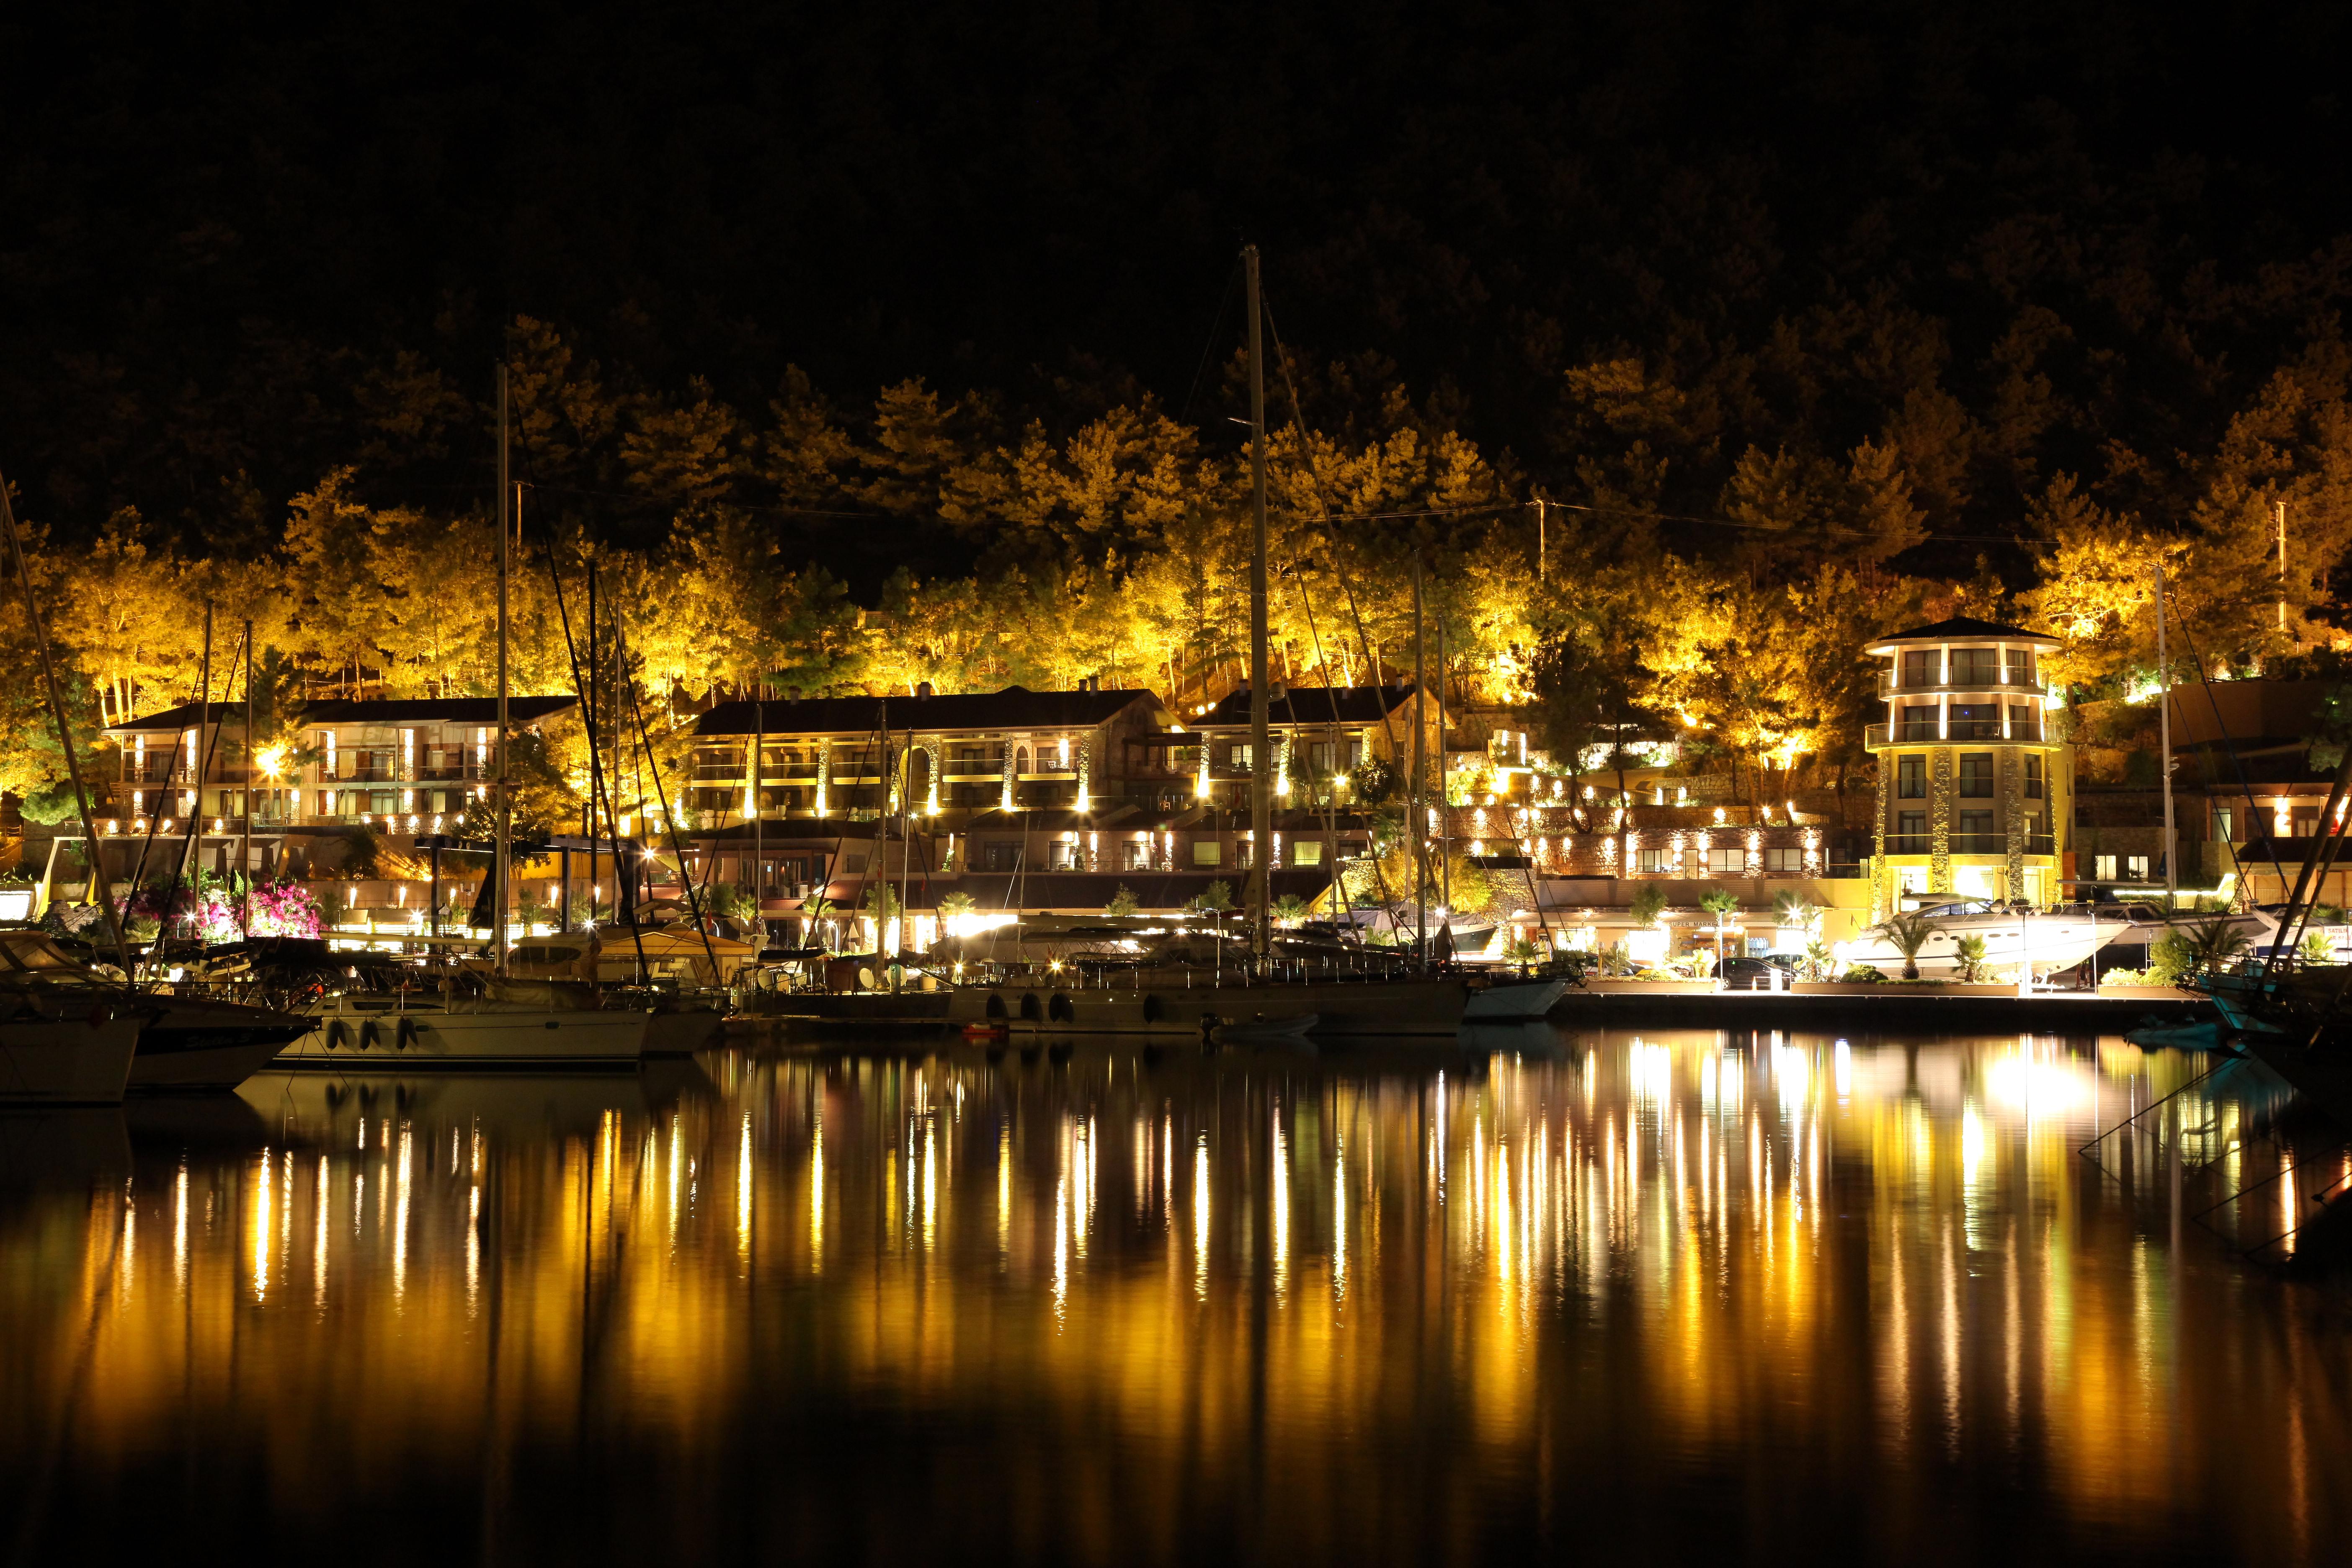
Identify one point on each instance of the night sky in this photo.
(2088, 232)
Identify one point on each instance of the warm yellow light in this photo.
(271, 760)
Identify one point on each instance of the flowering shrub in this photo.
(285, 909)
(209, 911)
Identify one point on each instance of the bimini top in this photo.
(1961, 629)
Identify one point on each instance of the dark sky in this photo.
(219, 215)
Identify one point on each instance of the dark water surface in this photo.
(1612, 1297)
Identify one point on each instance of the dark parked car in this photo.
(1745, 974)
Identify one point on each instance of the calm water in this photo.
(1649, 1297)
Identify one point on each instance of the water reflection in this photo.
(1781, 1295)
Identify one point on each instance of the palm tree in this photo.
(812, 913)
(1793, 910)
(2215, 944)
(1971, 951)
(1719, 903)
(1909, 934)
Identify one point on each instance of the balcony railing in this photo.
(1926, 733)
(1890, 684)
(1966, 844)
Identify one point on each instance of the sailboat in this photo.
(491, 1021)
(1177, 992)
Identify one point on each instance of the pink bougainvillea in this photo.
(285, 909)
(211, 912)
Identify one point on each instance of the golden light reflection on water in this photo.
(1356, 1309)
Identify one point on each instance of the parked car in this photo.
(1747, 974)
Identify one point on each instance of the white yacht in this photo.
(2050, 940)
(514, 1024)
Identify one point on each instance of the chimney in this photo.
(923, 688)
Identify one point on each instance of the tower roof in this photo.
(1960, 628)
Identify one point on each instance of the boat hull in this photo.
(417, 1039)
(1380, 1008)
(683, 1032)
(198, 1045)
(70, 1061)
(1514, 1001)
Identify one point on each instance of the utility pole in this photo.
(506, 823)
(1261, 879)
(2279, 509)
(98, 881)
(1539, 539)
(2164, 730)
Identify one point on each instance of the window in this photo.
(2136, 867)
(2021, 667)
(1208, 852)
(1911, 879)
(1725, 860)
(2103, 867)
(1921, 667)
(2225, 824)
(2024, 722)
(1911, 825)
(1974, 721)
(1135, 855)
(998, 855)
(2034, 778)
(2306, 822)
(1307, 852)
(1784, 861)
(1919, 722)
(1244, 855)
(1976, 825)
(1977, 667)
(1240, 756)
(1060, 854)
(1911, 778)
(1653, 860)
(1975, 775)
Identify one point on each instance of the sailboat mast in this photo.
(245, 839)
(2164, 743)
(1261, 879)
(98, 878)
(506, 821)
(196, 855)
(1418, 822)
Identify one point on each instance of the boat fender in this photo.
(371, 1036)
(338, 1037)
(405, 1035)
(1061, 1009)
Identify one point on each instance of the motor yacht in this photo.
(2051, 940)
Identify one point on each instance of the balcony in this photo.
(1878, 737)
(1891, 685)
(440, 772)
(1967, 843)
